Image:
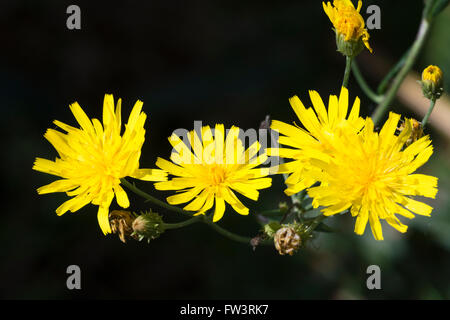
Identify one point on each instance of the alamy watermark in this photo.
(74, 19)
(74, 279)
(374, 21)
(374, 280)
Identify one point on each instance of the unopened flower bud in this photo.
(349, 48)
(432, 82)
(287, 240)
(121, 223)
(349, 26)
(148, 225)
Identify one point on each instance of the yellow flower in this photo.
(371, 174)
(216, 169)
(94, 158)
(433, 74)
(323, 128)
(349, 26)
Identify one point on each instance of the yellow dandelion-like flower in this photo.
(372, 175)
(323, 128)
(349, 26)
(213, 171)
(93, 159)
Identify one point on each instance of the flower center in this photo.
(108, 165)
(217, 174)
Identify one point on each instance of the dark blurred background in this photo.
(231, 62)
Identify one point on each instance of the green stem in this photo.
(150, 198)
(431, 6)
(316, 222)
(348, 66)
(227, 233)
(425, 119)
(383, 106)
(363, 84)
(385, 82)
(182, 224)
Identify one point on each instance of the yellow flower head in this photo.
(323, 128)
(213, 171)
(372, 175)
(349, 25)
(433, 74)
(93, 159)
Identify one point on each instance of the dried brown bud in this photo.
(287, 241)
(121, 222)
(256, 241)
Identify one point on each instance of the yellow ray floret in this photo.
(318, 141)
(347, 20)
(93, 159)
(210, 169)
(372, 175)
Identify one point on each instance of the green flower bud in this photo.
(432, 82)
(349, 48)
(148, 225)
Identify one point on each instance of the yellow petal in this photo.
(103, 219)
(220, 209)
(121, 197)
(82, 118)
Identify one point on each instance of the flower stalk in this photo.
(430, 109)
(348, 67)
(178, 225)
(132, 187)
(363, 84)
